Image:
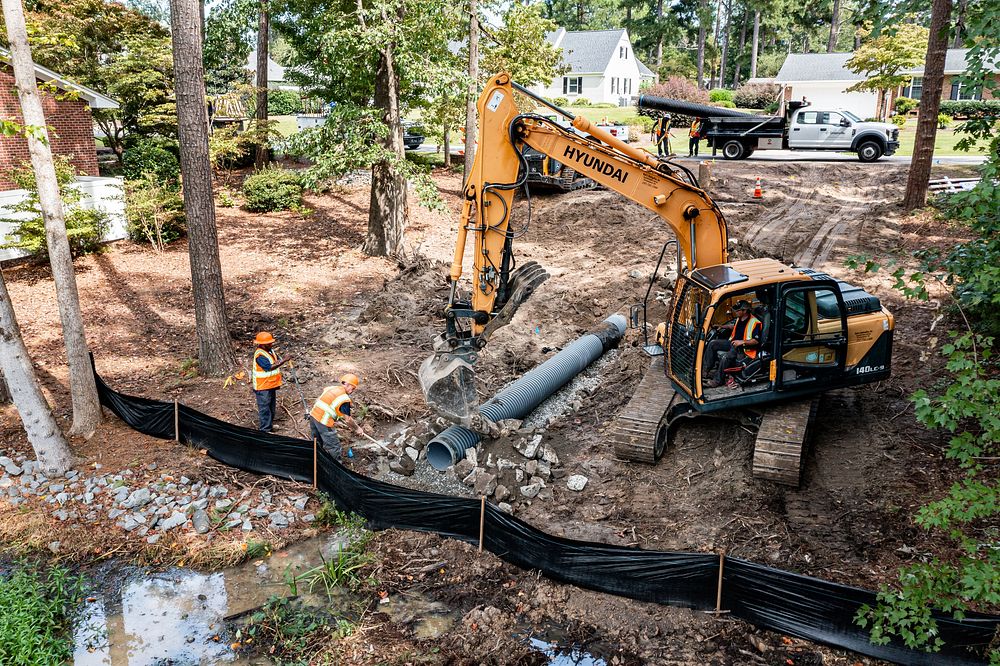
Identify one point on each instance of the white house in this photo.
(602, 67)
(275, 73)
(823, 78)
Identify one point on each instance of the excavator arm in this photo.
(498, 170)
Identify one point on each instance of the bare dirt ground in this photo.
(305, 279)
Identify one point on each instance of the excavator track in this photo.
(781, 441)
(634, 432)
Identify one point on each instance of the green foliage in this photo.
(519, 47)
(983, 109)
(898, 121)
(147, 158)
(350, 139)
(231, 148)
(676, 88)
(772, 108)
(903, 105)
(272, 189)
(944, 120)
(677, 62)
(230, 28)
(283, 102)
(756, 95)
(154, 211)
(561, 102)
(720, 95)
(581, 101)
(85, 227)
(288, 632)
(644, 123)
(883, 59)
(769, 64)
(36, 613)
(725, 104)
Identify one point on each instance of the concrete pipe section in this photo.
(521, 397)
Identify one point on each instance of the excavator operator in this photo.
(743, 341)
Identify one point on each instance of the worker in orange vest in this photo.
(266, 378)
(331, 407)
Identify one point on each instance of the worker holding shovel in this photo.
(331, 407)
(266, 378)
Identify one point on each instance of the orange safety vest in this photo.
(752, 324)
(329, 404)
(695, 130)
(265, 379)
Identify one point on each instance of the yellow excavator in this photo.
(816, 333)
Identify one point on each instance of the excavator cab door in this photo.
(812, 339)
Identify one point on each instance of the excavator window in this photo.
(809, 324)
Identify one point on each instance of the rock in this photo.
(72, 474)
(472, 455)
(11, 467)
(529, 447)
(152, 538)
(300, 503)
(138, 498)
(412, 453)
(61, 514)
(176, 519)
(470, 479)
(500, 493)
(405, 466)
(577, 482)
(151, 466)
(505, 507)
(530, 490)
(247, 526)
(6, 482)
(635, 274)
(201, 521)
(485, 483)
(558, 472)
(235, 522)
(308, 518)
(536, 481)
(519, 475)
(504, 464)
(185, 480)
(463, 468)
(114, 513)
(201, 503)
(54, 546)
(62, 498)
(88, 498)
(57, 488)
(222, 491)
(222, 505)
(543, 471)
(259, 512)
(278, 519)
(531, 467)
(549, 456)
(128, 523)
(545, 494)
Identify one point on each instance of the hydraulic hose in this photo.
(521, 397)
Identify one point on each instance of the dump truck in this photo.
(738, 135)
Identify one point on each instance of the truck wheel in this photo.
(869, 151)
(733, 150)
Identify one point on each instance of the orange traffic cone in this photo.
(757, 192)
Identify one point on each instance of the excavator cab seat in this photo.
(753, 370)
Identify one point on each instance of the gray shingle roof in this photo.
(830, 66)
(275, 72)
(643, 70)
(93, 98)
(586, 51)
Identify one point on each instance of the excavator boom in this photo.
(447, 378)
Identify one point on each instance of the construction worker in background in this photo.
(266, 378)
(661, 135)
(694, 136)
(331, 407)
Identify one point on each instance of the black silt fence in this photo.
(789, 603)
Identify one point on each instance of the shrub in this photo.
(283, 102)
(772, 107)
(37, 606)
(898, 120)
(154, 212)
(903, 105)
(944, 120)
(972, 108)
(560, 101)
(757, 95)
(146, 157)
(720, 95)
(604, 105)
(85, 227)
(642, 123)
(582, 101)
(676, 87)
(726, 104)
(272, 189)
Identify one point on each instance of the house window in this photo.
(623, 52)
(960, 92)
(915, 88)
(572, 85)
(628, 86)
(614, 85)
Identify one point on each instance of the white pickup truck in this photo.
(737, 135)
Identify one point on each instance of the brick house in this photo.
(71, 125)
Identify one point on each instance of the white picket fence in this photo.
(98, 192)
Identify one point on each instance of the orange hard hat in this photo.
(264, 338)
(351, 379)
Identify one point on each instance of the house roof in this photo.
(95, 99)
(643, 70)
(275, 72)
(589, 51)
(832, 67)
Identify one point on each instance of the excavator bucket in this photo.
(449, 385)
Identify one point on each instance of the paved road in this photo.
(792, 156)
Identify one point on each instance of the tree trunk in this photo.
(743, 43)
(215, 352)
(960, 24)
(805, 43)
(831, 43)
(470, 97)
(659, 34)
(263, 25)
(930, 106)
(388, 212)
(83, 389)
(715, 38)
(447, 147)
(46, 440)
(725, 44)
(702, 17)
(753, 49)
(4, 391)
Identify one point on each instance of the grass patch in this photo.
(944, 142)
(36, 613)
(286, 125)
(288, 632)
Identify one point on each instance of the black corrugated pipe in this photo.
(519, 398)
(690, 108)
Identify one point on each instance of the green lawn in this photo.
(286, 125)
(944, 142)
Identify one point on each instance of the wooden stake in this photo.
(482, 518)
(718, 592)
(177, 422)
(315, 455)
